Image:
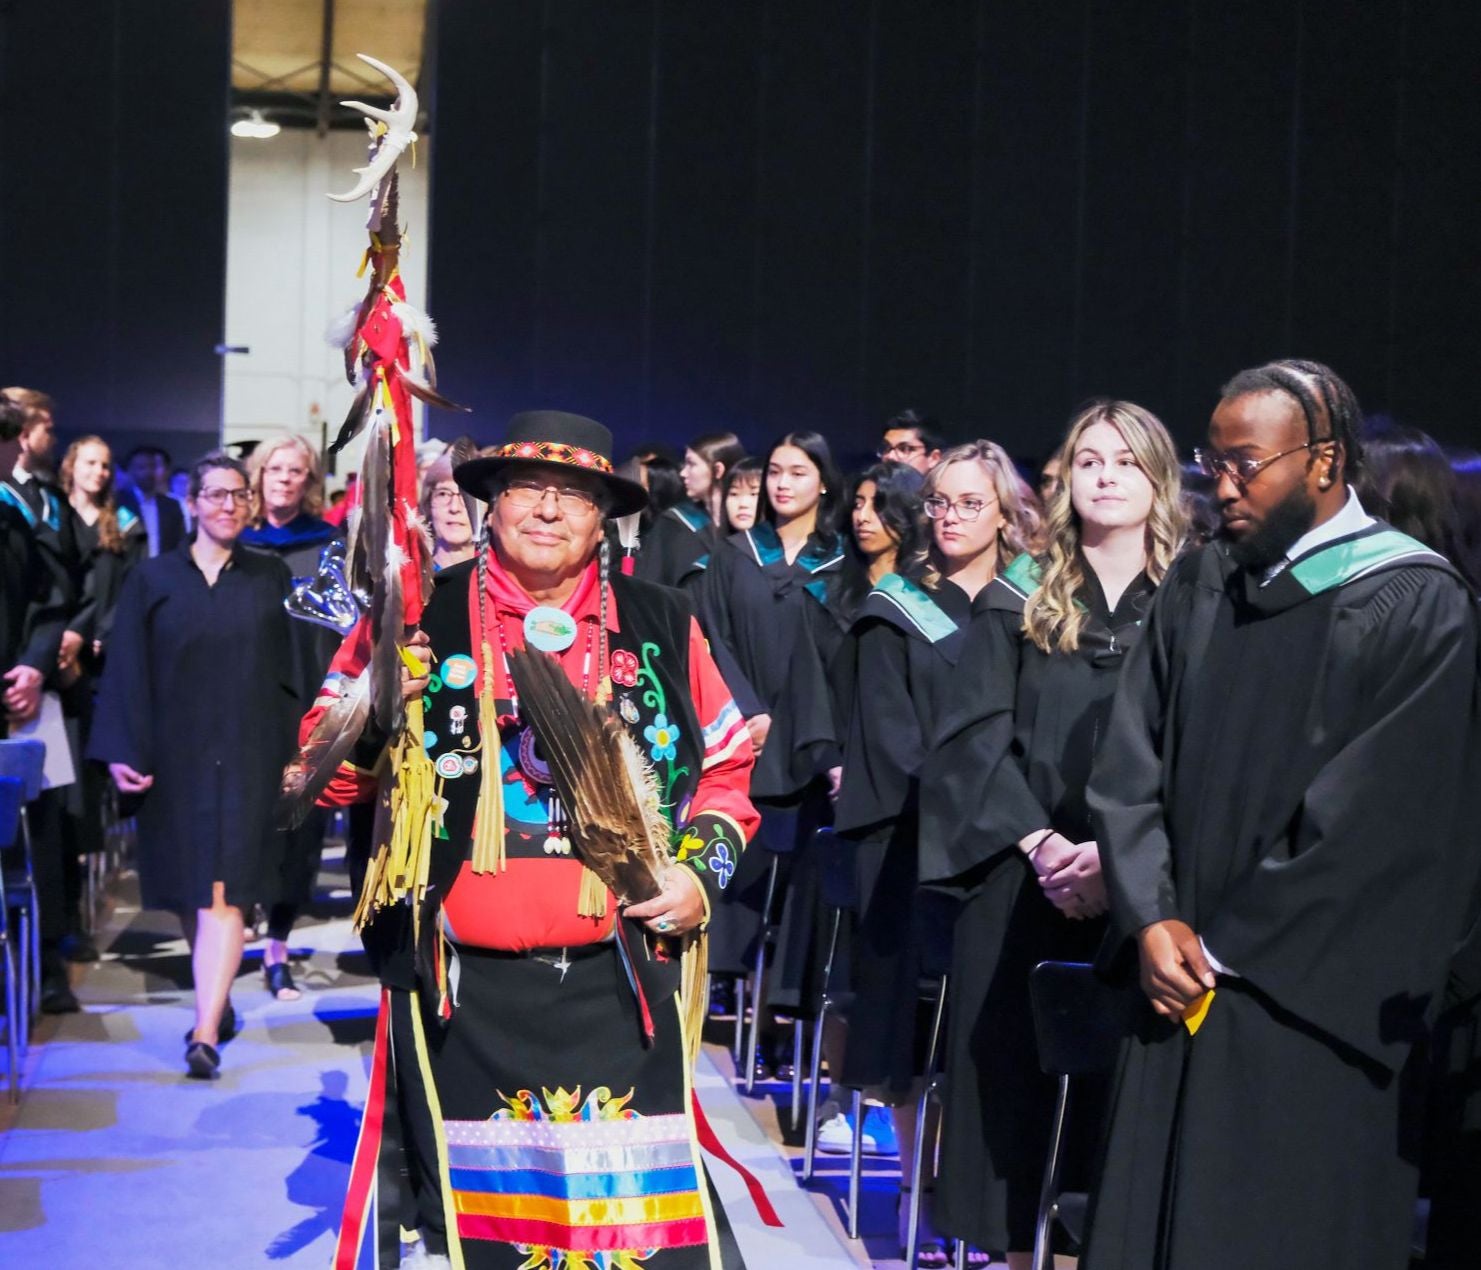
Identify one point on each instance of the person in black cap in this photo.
(550, 1035)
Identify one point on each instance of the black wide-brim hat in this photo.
(557, 440)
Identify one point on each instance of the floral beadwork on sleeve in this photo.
(711, 846)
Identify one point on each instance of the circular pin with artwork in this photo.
(429, 739)
(470, 764)
(450, 766)
(459, 671)
(551, 630)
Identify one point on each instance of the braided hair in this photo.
(1321, 394)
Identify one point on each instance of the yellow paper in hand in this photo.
(1195, 1014)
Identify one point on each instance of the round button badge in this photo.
(551, 630)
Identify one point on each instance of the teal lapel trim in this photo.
(1349, 559)
(916, 606)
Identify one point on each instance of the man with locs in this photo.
(1279, 807)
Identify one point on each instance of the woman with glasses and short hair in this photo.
(1004, 820)
(452, 515)
(197, 714)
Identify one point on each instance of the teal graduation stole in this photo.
(690, 515)
(1349, 559)
(916, 606)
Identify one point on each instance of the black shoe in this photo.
(279, 980)
(79, 948)
(57, 996)
(202, 1062)
(230, 1025)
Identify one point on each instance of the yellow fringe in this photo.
(401, 865)
(488, 826)
(694, 974)
(593, 899)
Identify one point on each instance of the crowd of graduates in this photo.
(927, 652)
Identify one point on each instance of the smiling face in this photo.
(92, 468)
(1108, 488)
(741, 500)
(547, 543)
(870, 533)
(794, 485)
(223, 506)
(966, 485)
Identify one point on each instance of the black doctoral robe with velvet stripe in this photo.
(1287, 770)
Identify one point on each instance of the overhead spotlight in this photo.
(255, 126)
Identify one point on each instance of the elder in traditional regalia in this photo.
(544, 1030)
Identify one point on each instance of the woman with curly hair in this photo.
(1034, 685)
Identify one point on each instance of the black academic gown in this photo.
(672, 548)
(33, 604)
(1284, 771)
(751, 603)
(1012, 758)
(905, 645)
(199, 692)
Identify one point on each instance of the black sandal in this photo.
(202, 1062)
(280, 980)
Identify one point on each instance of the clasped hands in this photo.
(1069, 873)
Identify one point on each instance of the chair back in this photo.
(1079, 1021)
(12, 799)
(840, 885)
(25, 759)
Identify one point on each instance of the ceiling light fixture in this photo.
(255, 126)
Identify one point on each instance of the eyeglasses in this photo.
(1242, 470)
(219, 496)
(446, 497)
(967, 509)
(528, 495)
(903, 448)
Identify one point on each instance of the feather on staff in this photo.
(617, 821)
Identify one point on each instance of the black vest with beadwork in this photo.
(649, 668)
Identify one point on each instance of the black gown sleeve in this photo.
(975, 802)
(124, 712)
(1350, 922)
(883, 747)
(1126, 787)
(713, 596)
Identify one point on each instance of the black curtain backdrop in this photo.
(113, 200)
(772, 214)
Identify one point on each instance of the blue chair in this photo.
(12, 800)
(24, 760)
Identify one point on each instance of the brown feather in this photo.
(615, 824)
(430, 395)
(328, 745)
(355, 418)
(372, 522)
(387, 629)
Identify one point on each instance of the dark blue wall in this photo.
(113, 184)
(767, 214)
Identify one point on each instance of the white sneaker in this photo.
(835, 1135)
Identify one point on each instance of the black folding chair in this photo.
(1079, 1023)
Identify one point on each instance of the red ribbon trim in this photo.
(367, 1148)
(711, 1143)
